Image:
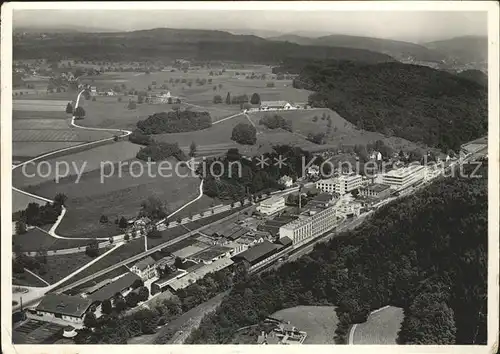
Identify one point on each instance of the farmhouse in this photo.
(60, 307)
(145, 268)
(275, 105)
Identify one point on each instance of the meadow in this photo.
(319, 322)
(380, 328)
(119, 195)
(35, 240)
(89, 160)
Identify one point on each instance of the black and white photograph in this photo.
(250, 173)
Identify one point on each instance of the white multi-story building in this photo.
(313, 223)
(340, 185)
(271, 205)
(347, 183)
(404, 177)
(327, 185)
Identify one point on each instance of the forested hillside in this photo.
(426, 253)
(414, 102)
(475, 75)
(164, 43)
(396, 49)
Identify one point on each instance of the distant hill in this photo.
(396, 49)
(166, 43)
(464, 50)
(475, 75)
(414, 102)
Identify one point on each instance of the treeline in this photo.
(276, 121)
(426, 253)
(175, 122)
(40, 215)
(240, 176)
(158, 151)
(417, 103)
(203, 45)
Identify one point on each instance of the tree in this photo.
(178, 262)
(228, 98)
(192, 149)
(90, 320)
(143, 293)
(122, 224)
(79, 113)
(20, 227)
(217, 98)
(126, 237)
(103, 219)
(132, 299)
(120, 304)
(315, 119)
(255, 99)
(153, 208)
(137, 284)
(220, 86)
(244, 134)
(92, 249)
(60, 199)
(69, 108)
(106, 307)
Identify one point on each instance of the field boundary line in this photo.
(37, 276)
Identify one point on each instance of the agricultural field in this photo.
(343, 132)
(27, 279)
(89, 160)
(119, 195)
(41, 126)
(52, 105)
(319, 322)
(38, 240)
(24, 150)
(381, 327)
(109, 112)
(60, 266)
(16, 115)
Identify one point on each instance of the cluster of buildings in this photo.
(277, 106)
(283, 333)
(163, 97)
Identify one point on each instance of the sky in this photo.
(409, 26)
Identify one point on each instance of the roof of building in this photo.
(177, 274)
(377, 187)
(402, 172)
(64, 304)
(273, 103)
(118, 285)
(273, 199)
(323, 197)
(258, 252)
(285, 241)
(199, 273)
(145, 262)
(211, 253)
